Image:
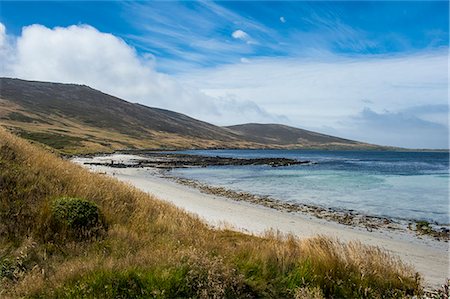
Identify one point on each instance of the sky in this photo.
(371, 71)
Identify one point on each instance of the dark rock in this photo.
(173, 160)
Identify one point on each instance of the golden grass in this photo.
(153, 249)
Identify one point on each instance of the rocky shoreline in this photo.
(164, 162)
(173, 160)
(345, 217)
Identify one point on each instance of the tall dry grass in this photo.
(153, 249)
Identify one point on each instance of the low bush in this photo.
(74, 219)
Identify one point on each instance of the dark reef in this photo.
(173, 160)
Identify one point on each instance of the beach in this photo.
(428, 256)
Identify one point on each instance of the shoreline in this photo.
(428, 256)
(164, 162)
(345, 217)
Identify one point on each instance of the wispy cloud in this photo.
(187, 33)
(175, 31)
(329, 92)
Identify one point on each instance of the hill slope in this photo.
(77, 118)
(147, 248)
(87, 117)
(285, 135)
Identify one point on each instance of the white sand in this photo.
(429, 257)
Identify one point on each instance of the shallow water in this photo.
(405, 185)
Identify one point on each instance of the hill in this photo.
(77, 118)
(69, 116)
(68, 233)
(287, 136)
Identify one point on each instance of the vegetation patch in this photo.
(57, 141)
(17, 116)
(132, 283)
(426, 228)
(73, 219)
(7, 268)
(190, 279)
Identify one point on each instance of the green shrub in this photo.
(6, 269)
(73, 219)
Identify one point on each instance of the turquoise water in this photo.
(404, 185)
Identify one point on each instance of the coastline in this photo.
(345, 217)
(429, 257)
(165, 162)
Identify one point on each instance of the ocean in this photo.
(398, 185)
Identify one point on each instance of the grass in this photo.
(153, 249)
(57, 141)
(17, 116)
(54, 140)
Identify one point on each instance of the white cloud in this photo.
(403, 129)
(239, 34)
(2, 35)
(282, 19)
(242, 35)
(6, 50)
(81, 54)
(319, 94)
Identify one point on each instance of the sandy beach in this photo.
(429, 257)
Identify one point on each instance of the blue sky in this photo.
(328, 62)
(200, 34)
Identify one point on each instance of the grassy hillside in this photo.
(75, 118)
(289, 136)
(68, 233)
(72, 117)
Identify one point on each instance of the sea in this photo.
(398, 185)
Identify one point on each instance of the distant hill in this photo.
(77, 118)
(285, 135)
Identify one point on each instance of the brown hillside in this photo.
(77, 118)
